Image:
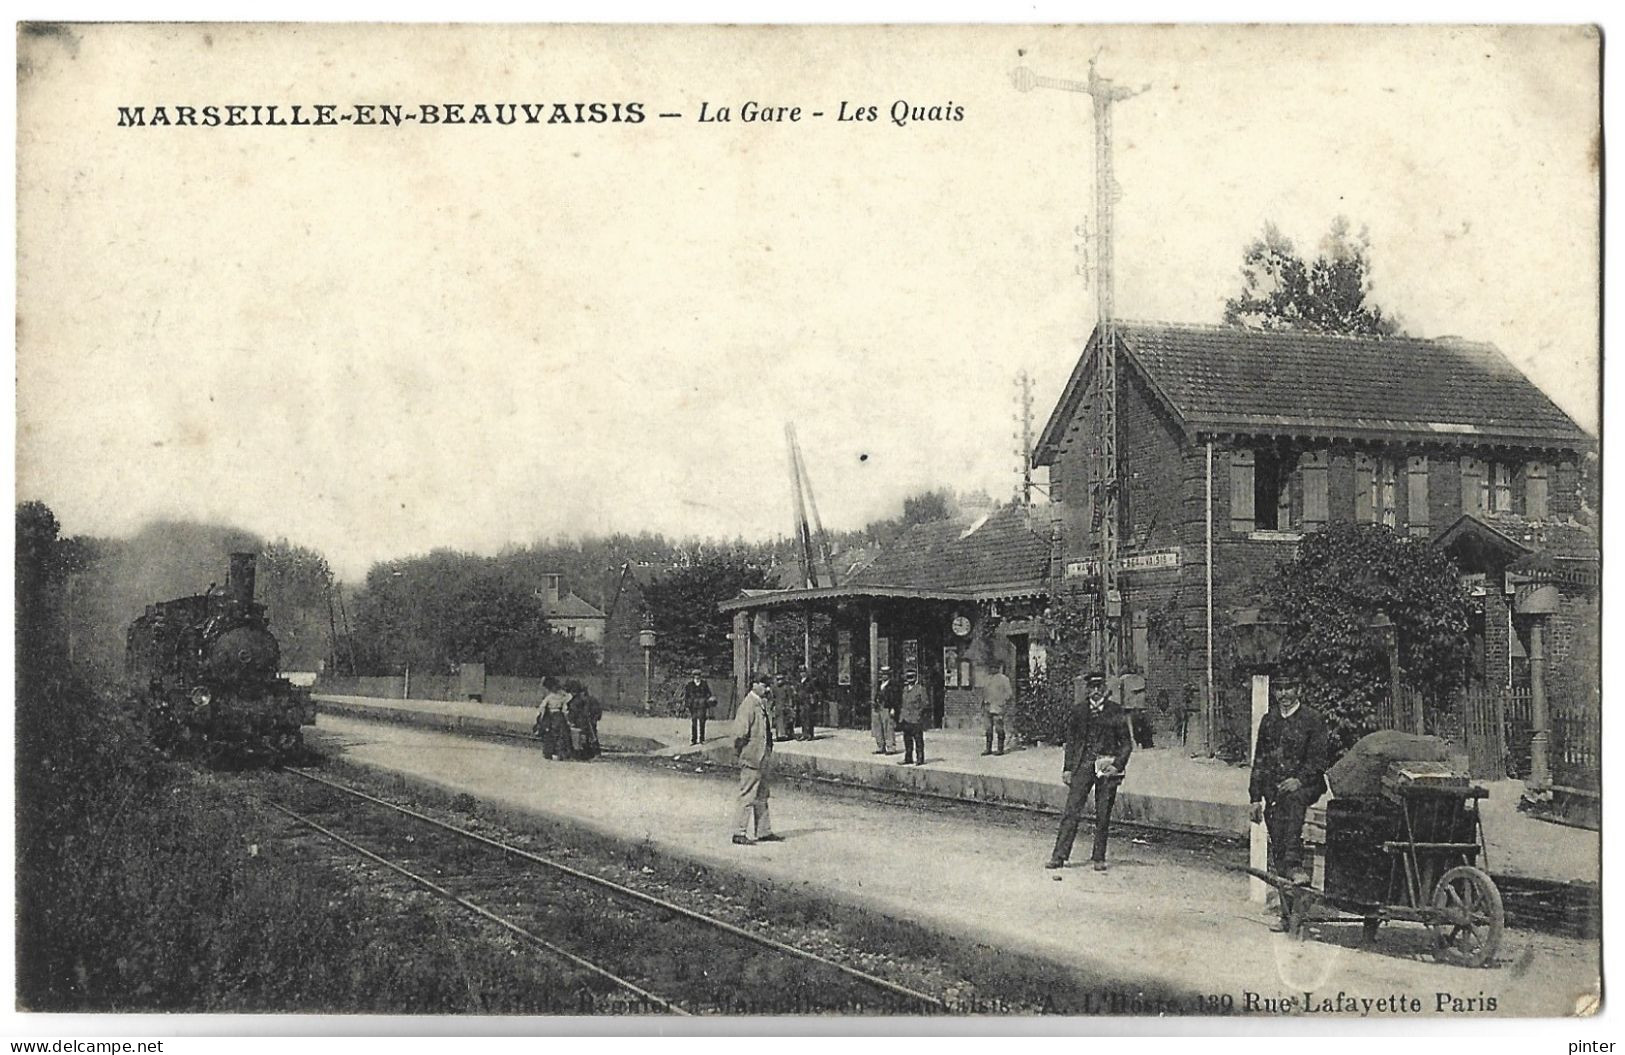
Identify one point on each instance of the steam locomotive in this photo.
(203, 670)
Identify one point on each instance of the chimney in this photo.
(240, 583)
(551, 591)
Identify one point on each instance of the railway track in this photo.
(629, 950)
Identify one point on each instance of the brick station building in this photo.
(1234, 443)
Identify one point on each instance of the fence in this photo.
(1484, 728)
(1494, 725)
(1401, 710)
(1576, 749)
(1474, 720)
(611, 690)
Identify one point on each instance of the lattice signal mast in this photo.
(1104, 93)
(1024, 437)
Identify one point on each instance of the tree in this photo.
(927, 506)
(294, 583)
(1331, 591)
(429, 613)
(43, 563)
(1329, 294)
(682, 606)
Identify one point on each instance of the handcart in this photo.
(1402, 840)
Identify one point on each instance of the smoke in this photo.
(164, 560)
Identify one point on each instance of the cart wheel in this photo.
(1468, 897)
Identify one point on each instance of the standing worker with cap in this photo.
(698, 699)
(911, 713)
(1289, 774)
(1098, 744)
(882, 718)
(753, 744)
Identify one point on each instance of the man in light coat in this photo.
(753, 744)
(997, 692)
(883, 719)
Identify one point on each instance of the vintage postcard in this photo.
(543, 520)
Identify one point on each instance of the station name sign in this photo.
(1152, 560)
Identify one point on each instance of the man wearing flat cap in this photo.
(1289, 775)
(1098, 744)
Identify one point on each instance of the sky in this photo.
(378, 341)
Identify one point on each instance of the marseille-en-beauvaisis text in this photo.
(900, 112)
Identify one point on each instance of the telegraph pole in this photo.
(1104, 93)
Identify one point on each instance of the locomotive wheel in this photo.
(1475, 918)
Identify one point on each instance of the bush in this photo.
(1329, 594)
(1041, 705)
(1040, 709)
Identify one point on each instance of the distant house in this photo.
(570, 615)
(1235, 443)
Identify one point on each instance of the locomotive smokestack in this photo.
(240, 584)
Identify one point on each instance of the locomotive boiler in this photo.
(204, 670)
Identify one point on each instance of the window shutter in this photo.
(1416, 495)
(1364, 487)
(1472, 485)
(1241, 491)
(1536, 486)
(1315, 465)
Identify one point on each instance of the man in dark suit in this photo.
(1098, 744)
(1289, 775)
(698, 701)
(806, 692)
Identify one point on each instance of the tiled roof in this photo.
(571, 606)
(1219, 378)
(1000, 550)
(1558, 538)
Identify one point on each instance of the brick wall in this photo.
(1574, 650)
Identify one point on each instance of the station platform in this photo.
(617, 730)
(1164, 924)
(1165, 786)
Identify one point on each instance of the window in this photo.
(1376, 490)
(1499, 482)
(1277, 489)
(1487, 486)
(1272, 490)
